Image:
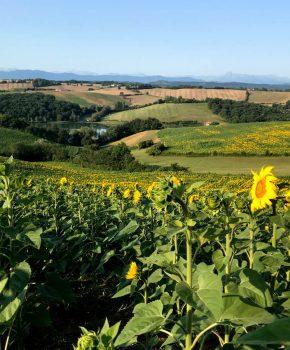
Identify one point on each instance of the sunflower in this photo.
(63, 181)
(137, 197)
(263, 189)
(127, 194)
(175, 181)
(287, 198)
(132, 272)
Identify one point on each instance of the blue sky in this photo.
(169, 37)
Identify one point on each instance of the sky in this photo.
(167, 37)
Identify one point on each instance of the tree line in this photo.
(37, 107)
(245, 112)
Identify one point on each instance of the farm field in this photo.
(216, 164)
(9, 86)
(198, 94)
(86, 99)
(168, 112)
(229, 139)
(82, 252)
(269, 97)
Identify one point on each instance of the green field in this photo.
(229, 139)
(8, 137)
(168, 112)
(217, 165)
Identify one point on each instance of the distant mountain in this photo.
(33, 74)
(226, 80)
(246, 78)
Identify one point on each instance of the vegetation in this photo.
(39, 107)
(129, 128)
(229, 139)
(171, 252)
(245, 112)
(169, 112)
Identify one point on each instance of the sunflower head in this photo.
(127, 194)
(175, 181)
(137, 197)
(287, 199)
(132, 272)
(264, 189)
(63, 181)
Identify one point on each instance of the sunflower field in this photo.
(167, 265)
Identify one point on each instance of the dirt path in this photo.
(133, 140)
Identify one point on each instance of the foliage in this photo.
(245, 112)
(145, 144)
(39, 107)
(229, 139)
(208, 269)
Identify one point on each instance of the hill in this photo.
(168, 112)
(229, 139)
(198, 94)
(269, 97)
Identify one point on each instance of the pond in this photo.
(99, 128)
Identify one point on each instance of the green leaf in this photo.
(122, 292)
(206, 291)
(147, 318)
(237, 312)
(105, 258)
(13, 293)
(127, 230)
(155, 277)
(277, 332)
(35, 237)
(253, 286)
(209, 289)
(185, 293)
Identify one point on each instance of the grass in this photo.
(168, 112)
(8, 137)
(218, 165)
(229, 139)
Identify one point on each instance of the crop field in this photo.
(86, 99)
(215, 165)
(128, 261)
(229, 139)
(269, 97)
(199, 94)
(168, 112)
(9, 86)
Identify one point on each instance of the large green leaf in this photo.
(238, 312)
(253, 286)
(206, 293)
(127, 230)
(277, 332)
(13, 293)
(147, 318)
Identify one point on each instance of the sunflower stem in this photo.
(251, 253)
(188, 340)
(274, 238)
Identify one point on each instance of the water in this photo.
(99, 128)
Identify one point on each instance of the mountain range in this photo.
(228, 79)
